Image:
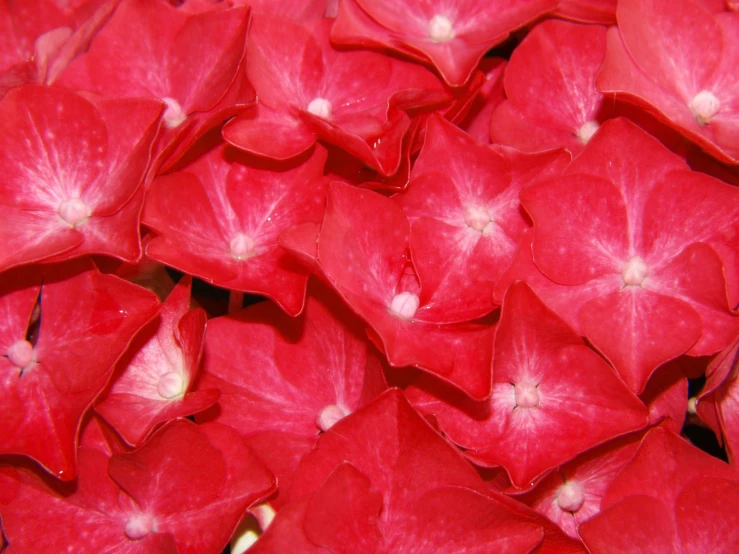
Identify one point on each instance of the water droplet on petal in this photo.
(320, 107)
(441, 28)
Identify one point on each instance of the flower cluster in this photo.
(489, 251)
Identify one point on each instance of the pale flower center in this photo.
(404, 305)
(477, 218)
(20, 354)
(170, 385)
(440, 28)
(570, 497)
(634, 271)
(73, 211)
(320, 107)
(173, 115)
(241, 246)
(526, 395)
(138, 526)
(705, 105)
(329, 416)
(587, 131)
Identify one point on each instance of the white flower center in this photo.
(73, 211)
(320, 107)
(404, 305)
(441, 28)
(570, 497)
(477, 218)
(705, 105)
(526, 395)
(241, 246)
(20, 354)
(329, 416)
(587, 131)
(138, 526)
(173, 115)
(634, 271)
(171, 385)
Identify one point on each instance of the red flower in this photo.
(362, 251)
(288, 379)
(183, 491)
(231, 239)
(679, 62)
(452, 37)
(86, 322)
(399, 485)
(665, 500)
(355, 100)
(71, 173)
(462, 203)
(560, 107)
(619, 268)
(155, 377)
(552, 397)
(149, 49)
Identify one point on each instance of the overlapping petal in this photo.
(231, 240)
(154, 378)
(363, 253)
(308, 89)
(71, 170)
(85, 322)
(452, 38)
(607, 221)
(678, 62)
(552, 396)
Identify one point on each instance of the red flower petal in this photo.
(572, 494)
(88, 319)
(277, 393)
(231, 241)
(423, 481)
(453, 40)
(562, 99)
(636, 524)
(56, 186)
(354, 527)
(362, 253)
(155, 377)
(195, 482)
(628, 327)
(552, 396)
